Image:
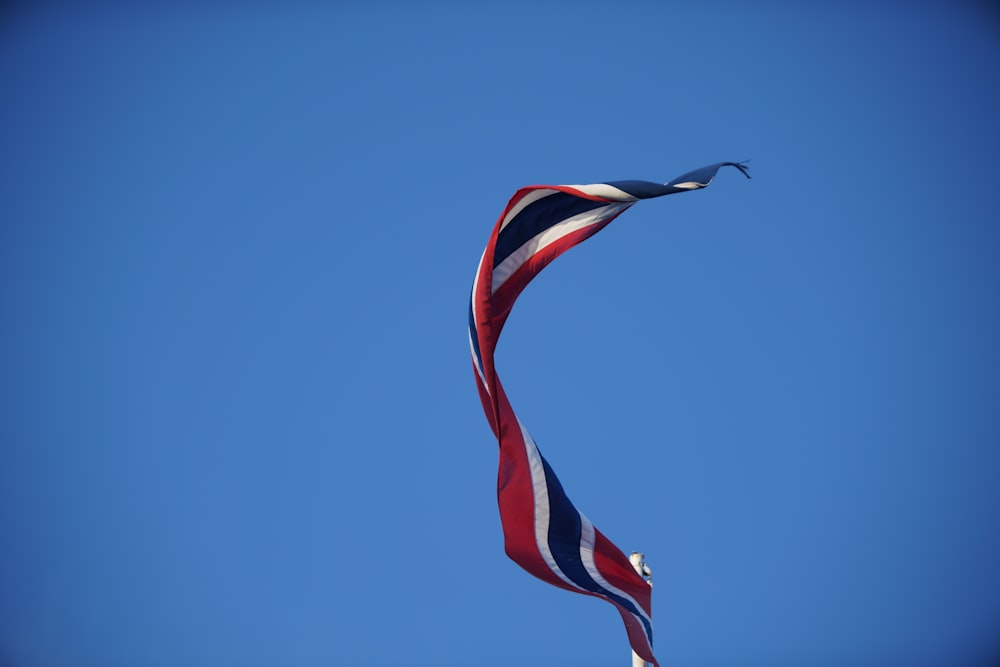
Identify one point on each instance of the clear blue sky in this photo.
(238, 424)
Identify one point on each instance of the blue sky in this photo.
(237, 415)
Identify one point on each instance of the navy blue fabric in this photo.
(644, 189)
(565, 529)
(553, 209)
(704, 175)
(473, 336)
(536, 218)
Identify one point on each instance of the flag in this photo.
(543, 531)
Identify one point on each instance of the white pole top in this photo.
(638, 561)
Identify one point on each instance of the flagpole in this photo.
(638, 561)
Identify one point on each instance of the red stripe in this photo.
(612, 563)
(516, 498)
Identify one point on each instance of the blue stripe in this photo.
(644, 189)
(702, 176)
(474, 335)
(565, 533)
(536, 218)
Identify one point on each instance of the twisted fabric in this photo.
(543, 532)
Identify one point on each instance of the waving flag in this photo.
(543, 532)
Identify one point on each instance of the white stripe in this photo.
(542, 512)
(587, 556)
(475, 362)
(690, 185)
(475, 283)
(475, 321)
(604, 190)
(543, 239)
(527, 200)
